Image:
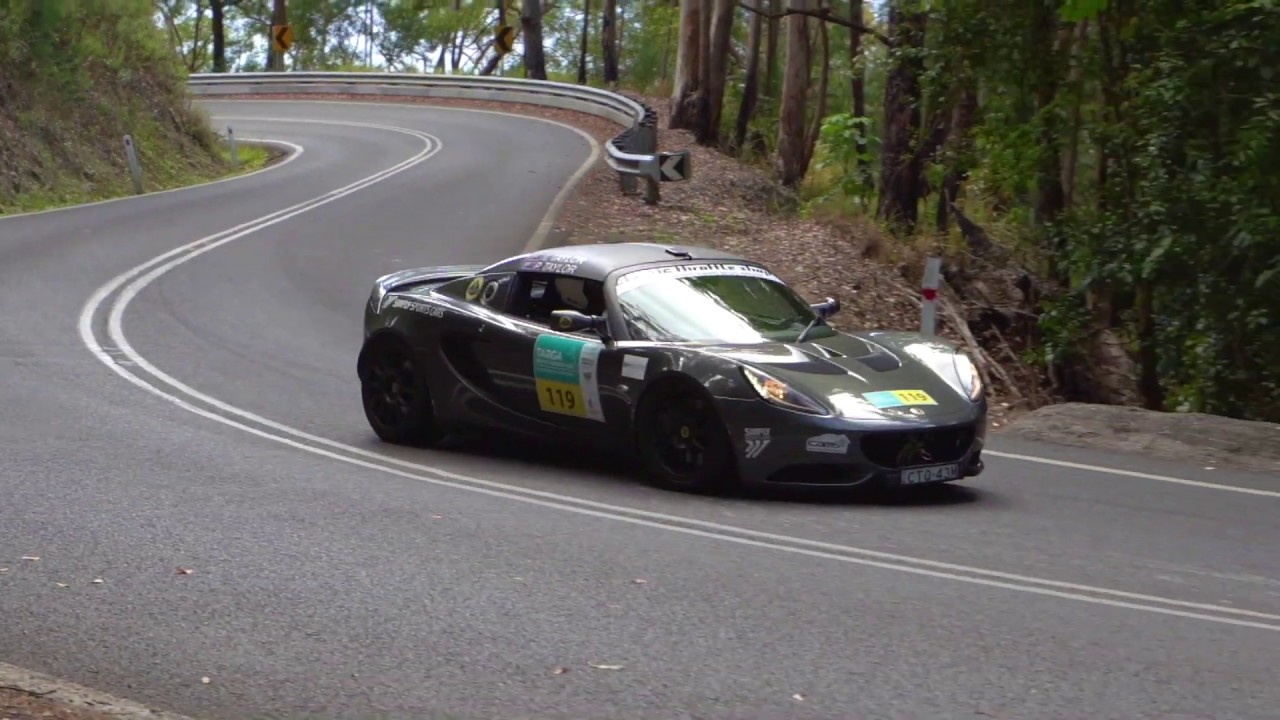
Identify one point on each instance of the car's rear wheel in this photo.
(682, 441)
(396, 400)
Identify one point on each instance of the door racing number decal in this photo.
(565, 374)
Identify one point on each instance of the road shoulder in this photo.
(1207, 440)
(28, 695)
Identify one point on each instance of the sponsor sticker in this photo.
(635, 279)
(833, 443)
(417, 306)
(633, 366)
(473, 290)
(565, 372)
(757, 439)
(899, 398)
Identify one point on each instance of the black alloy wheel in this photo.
(397, 403)
(682, 442)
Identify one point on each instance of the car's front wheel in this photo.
(682, 441)
(396, 400)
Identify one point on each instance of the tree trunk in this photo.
(820, 111)
(858, 73)
(219, 37)
(795, 93)
(1071, 155)
(901, 169)
(960, 142)
(684, 100)
(771, 52)
(586, 29)
(717, 67)
(609, 37)
(751, 85)
(535, 62)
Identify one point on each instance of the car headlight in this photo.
(970, 378)
(779, 393)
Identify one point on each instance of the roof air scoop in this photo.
(677, 252)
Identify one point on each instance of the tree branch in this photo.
(825, 15)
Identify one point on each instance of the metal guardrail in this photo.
(633, 154)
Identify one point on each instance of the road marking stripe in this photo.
(139, 277)
(1132, 473)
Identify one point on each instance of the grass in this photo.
(252, 159)
(75, 77)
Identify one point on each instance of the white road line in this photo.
(136, 279)
(548, 219)
(1132, 473)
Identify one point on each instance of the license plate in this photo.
(931, 473)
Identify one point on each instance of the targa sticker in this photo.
(565, 376)
(899, 398)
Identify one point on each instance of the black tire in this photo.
(682, 441)
(397, 402)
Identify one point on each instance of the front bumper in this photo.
(775, 447)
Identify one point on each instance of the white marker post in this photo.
(235, 152)
(135, 169)
(929, 296)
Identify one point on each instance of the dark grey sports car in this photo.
(705, 364)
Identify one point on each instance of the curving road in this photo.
(179, 390)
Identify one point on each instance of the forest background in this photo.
(1115, 161)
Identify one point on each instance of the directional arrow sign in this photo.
(675, 167)
(505, 39)
(282, 37)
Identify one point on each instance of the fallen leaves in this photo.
(605, 666)
(184, 571)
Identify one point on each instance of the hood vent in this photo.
(880, 361)
(826, 351)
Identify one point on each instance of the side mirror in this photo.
(574, 321)
(827, 308)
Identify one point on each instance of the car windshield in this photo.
(714, 308)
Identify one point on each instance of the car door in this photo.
(556, 376)
(480, 346)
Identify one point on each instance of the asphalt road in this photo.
(334, 576)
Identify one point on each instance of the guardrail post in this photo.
(649, 146)
(135, 168)
(630, 144)
(929, 296)
(234, 151)
(651, 192)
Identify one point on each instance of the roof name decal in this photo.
(643, 277)
(559, 264)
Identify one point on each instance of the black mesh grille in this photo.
(907, 448)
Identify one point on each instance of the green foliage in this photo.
(79, 75)
(838, 150)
